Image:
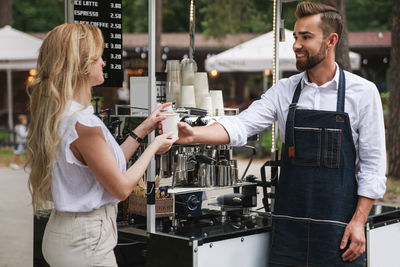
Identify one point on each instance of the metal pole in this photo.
(192, 28)
(275, 28)
(275, 68)
(69, 11)
(265, 82)
(151, 170)
(10, 100)
(275, 78)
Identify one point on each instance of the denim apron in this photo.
(317, 191)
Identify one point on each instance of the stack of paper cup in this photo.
(217, 102)
(188, 69)
(206, 103)
(173, 88)
(200, 86)
(188, 96)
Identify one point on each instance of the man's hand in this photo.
(355, 234)
(355, 231)
(213, 134)
(186, 133)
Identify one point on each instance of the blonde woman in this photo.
(75, 162)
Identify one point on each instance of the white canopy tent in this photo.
(18, 51)
(256, 56)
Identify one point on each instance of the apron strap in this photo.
(341, 92)
(297, 93)
(290, 121)
(293, 107)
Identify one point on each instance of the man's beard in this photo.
(312, 61)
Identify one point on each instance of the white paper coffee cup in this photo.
(170, 124)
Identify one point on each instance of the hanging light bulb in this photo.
(191, 28)
(191, 15)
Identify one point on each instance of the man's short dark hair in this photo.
(331, 19)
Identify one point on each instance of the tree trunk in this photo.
(5, 12)
(394, 100)
(342, 48)
(159, 65)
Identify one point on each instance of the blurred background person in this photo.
(21, 133)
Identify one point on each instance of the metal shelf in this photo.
(183, 190)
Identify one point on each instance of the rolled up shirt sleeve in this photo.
(257, 117)
(371, 146)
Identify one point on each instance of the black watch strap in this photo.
(134, 136)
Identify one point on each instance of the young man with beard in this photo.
(330, 120)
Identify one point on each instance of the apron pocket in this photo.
(333, 143)
(307, 146)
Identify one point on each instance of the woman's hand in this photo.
(163, 142)
(151, 122)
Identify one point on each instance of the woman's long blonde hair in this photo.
(64, 61)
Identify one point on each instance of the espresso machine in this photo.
(203, 210)
(211, 210)
(191, 167)
(209, 228)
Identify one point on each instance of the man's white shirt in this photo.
(362, 103)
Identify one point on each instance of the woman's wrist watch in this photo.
(137, 138)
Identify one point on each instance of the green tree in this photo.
(134, 15)
(233, 16)
(37, 15)
(175, 15)
(369, 15)
(214, 18)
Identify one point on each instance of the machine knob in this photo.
(192, 202)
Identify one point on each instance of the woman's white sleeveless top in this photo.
(74, 187)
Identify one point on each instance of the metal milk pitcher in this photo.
(205, 171)
(208, 177)
(224, 173)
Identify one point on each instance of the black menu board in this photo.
(107, 15)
